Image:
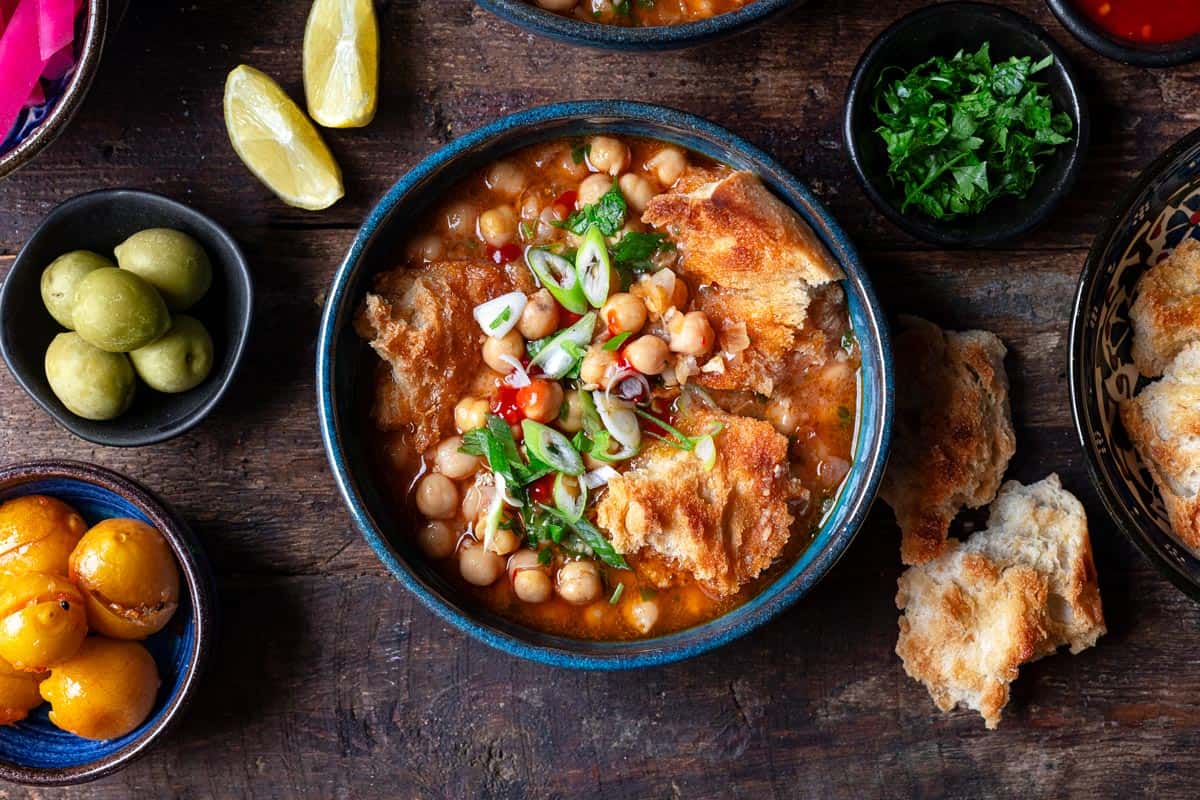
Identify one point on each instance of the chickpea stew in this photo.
(641, 13)
(601, 424)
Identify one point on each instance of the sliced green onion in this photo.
(619, 419)
(706, 451)
(570, 505)
(615, 342)
(500, 315)
(590, 535)
(557, 357)
(593, 266)
(559, 277)
(616, 595)
(491, 523)
(551, 447)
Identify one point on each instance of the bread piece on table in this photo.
(953, 432)
(420, 321)
(724, 526)
(1011, 594)
(748, 258)
(1166, 313)
(1164, 424)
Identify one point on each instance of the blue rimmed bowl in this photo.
(40, 125)
(344, 362)
(34, 751)
(1161, 209)
(572, 31)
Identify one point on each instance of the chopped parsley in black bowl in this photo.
(965, 124)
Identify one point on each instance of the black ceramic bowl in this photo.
(1140, 54)
(34, 750)
(568, 30)
(1160, 211)
(944, 30)
(100, 221)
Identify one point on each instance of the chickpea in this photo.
(592, 188)
(679, 296)
(540, 317)
(476, 500)
(498, 226)
(437, 496)
(578, 582)
(450, 462)
(623, 313)
(783, 416)
(597, 365)
(512, 344)
(436, 540)
(425, 248)
(571, 419)
(557, 5)
(478, 566)
(692, 335)
(460, 219)
(540, 400)
(505, 541)
(637, 190)
(647, 354)
(667, 165)
(607, 154)
(641, 615)
(470, 413)
(529, 579)
(505, 177)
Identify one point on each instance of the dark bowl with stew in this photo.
(1163, 48)
(528, 15)
(943, 30)
(343, 361)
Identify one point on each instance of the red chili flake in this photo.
(567, 318)
(567, 199)
(505, 404)
(505, 254)
(542, 490)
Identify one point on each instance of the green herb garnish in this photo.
(615, 342)
(675, 437)
(634, 254)
(845, 417)
(580, 152)
(607, 214)
(495, 442)
(961, 132)
(545, 556)
(848, 341)
(501, 318)
(590, 536)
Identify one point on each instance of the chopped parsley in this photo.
(580, 152)
(636, 250)
(501, 318)
(849, 340)
(962, 131)
(495, 442)
(845, 417)
(607, 213)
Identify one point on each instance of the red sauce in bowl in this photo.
(1149, 21)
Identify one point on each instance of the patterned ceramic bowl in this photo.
(40, 125)
(344, 361)
(567, 30)
(34, 751)
(1162, 210)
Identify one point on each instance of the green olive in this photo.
(178, 360)
(172, 262)
(62, 277)
(90, 382)
(118, 311)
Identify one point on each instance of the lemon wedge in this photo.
(341, 62)
(277, 142)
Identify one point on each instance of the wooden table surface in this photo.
(332, 681)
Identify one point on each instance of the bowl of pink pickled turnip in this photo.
(49, 53)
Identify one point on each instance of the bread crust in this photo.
(724, 526)
(1163, 422)
(1011, 594)
(1166, 313)
(749, 258)
(420, 321)
(953, 433)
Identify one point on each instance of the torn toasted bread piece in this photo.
(1164, 423)
(1011, 594)
(1166, 313)
(725, 525)
(953, 432)
(420, 321)
(749, 258)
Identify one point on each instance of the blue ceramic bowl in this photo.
(616, 37)
(343, 361)
(38, 126)
(34, 751)
(1160, 211)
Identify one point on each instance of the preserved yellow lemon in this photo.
(18, 692)
(37, 534)
(341, 62)
(106, 690)
(42, 620)
(127, 573)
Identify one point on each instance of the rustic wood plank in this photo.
(331, 681)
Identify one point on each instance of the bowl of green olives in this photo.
(125, 316)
